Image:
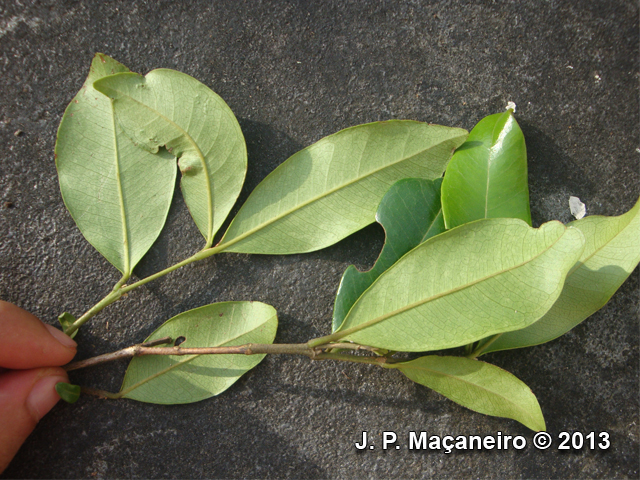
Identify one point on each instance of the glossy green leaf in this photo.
(487, 176)
(118, 194)
(612, 252)
(332, 188)
(171, 109)
(66, 320)
(482, 278)
(479, 386)
(68, 392)
(170, 379)
(410, 213)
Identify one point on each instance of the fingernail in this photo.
(62, 337)
(43, 396)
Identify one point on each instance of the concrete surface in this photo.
(294, 72)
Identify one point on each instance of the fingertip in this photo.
(61, 337)
(43, 396)
(30, 343)
(25, 397)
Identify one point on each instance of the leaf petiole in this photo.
(483, 346)
(108, 300)
(121, 288)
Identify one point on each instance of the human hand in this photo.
(30, 357)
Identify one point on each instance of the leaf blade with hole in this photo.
(487, 176)
(118, 195)
(410, 214)
(168, 380)
(482, 278)
(477, 385)
(612, 252)
(300, 206)
(172, 109)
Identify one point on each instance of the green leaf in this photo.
(487, 176)
(171, 109)
(118, 195)
(332, 188)
(69, 393)
(479, 386)
(410, 213)
(170, 379)
(482, 278)
(66, 320)
(612, 252)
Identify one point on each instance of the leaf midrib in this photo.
(490, 158)
(324, 194)
(419, 303)
(123, 215)
(433, 222)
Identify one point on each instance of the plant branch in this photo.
(352, 358)
(327, 339)
(108, 300)
(202, 254)
(349, 346)
(152, 348)
(100, 393)
(249, 349)
(146, 349)
(120, 287)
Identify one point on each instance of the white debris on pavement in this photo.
(578, 208)
(511, 106)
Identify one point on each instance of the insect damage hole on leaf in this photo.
(197, 127)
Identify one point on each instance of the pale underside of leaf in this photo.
(485, 277)
(612, 252)
(410, 214)
(185, 379)
(332, 188)
(478, 386)
(487, 176)
(118, 195)
(171, 109)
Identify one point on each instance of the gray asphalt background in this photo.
(294, 72)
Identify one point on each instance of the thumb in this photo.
(25, 397)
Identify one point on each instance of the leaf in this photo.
(117, 194)
(487, 176)
(66, 320)
(68, 392)
(485, 277)
(332, 188)
(170, 379)
(410, 213)
(172, 109)
(477, 385)
(612, 252)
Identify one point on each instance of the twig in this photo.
(152, 348)
(349, 346)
